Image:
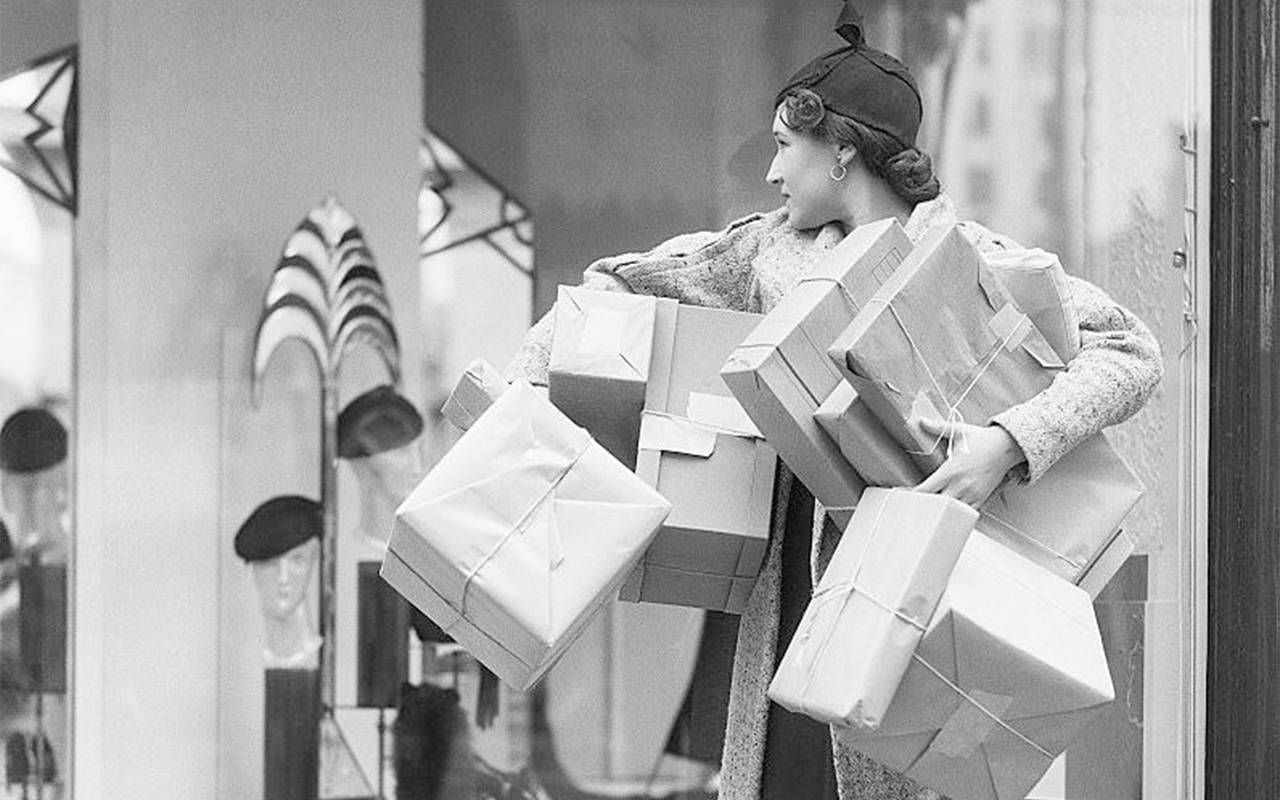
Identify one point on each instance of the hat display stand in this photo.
(326, 292)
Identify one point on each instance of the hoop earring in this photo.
(838, 172)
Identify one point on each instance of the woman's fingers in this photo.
(937, 482)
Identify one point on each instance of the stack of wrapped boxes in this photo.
(969, 667)
(955, 645)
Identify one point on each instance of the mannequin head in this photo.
(280, 541)
(33, 481)
(378, 437)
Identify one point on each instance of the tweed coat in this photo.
(749, 266)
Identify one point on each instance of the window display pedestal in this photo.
(291, 756)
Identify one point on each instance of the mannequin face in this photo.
(283, 581)
(396, 472)
(36, 502)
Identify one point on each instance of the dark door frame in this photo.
(1242, 713)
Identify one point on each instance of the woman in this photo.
(845, 128)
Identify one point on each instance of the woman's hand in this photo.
(980, 459)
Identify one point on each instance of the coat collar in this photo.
(929, 214)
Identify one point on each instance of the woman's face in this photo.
(801, 169)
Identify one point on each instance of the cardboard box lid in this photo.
(604, 334)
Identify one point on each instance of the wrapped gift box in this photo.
(863, 440)
(944, 340)
(479, 386)
(702, 453)
(1038, 284)
(1010, 672)
(871, 607)
(780, 373)
(601, 349)
(519, 535)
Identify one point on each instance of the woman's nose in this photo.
(772, 176)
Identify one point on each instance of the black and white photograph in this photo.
(652, 400)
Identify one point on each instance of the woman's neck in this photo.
(870, 199)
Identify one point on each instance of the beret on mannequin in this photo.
(378, 420)
(862, 83)
(277, 526)
(32, 440)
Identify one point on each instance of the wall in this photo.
(208, 131)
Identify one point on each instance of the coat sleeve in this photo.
(708, 268)
(1109, 380)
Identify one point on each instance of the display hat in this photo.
(862, 83)
(277, 526)
(32, 440)
(380, 419)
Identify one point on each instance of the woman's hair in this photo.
(908, 171)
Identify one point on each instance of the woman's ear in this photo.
(845, 153)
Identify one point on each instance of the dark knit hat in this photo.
(862, 83)
(380, 419)
(277, 526)
(31, 440)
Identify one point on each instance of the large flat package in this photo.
(943, 340)
(871, 607)
(519, 535)
(780, 373)
(700, 451)
(1010, 671)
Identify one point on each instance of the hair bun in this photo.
(911, 174)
